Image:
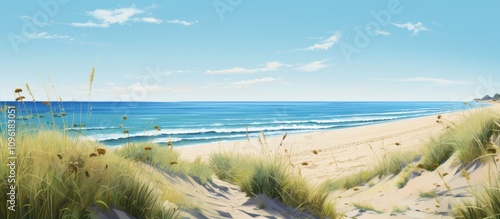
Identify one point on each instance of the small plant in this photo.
(400, 210)
(405, 174)
(391, 163)
(430, 194)
(485, 203)
(272, 177)
(366, 207)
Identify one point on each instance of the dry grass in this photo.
(467, 142)
(62, 177)
(430, 194)
(274, 178)
(484, 204)
(390, 164)
(57, 178)
(366, 207)
(166, 159)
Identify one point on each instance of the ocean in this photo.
(190, 123)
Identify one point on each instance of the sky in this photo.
(242, 50)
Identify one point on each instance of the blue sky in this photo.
(251, 50)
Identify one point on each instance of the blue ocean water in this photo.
(189, 123)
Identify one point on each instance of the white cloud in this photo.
(313, 66)
(436, 81)
(104, 18)
(150, 20)
(381, 32)
(169, 72)
(89, 24)
(325, 44)
(45, 35)
(414, 28)
(181, 22)
(270, 66)
(253, 81)
(120, 15)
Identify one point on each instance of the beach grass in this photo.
(485, 199)
(166, 159)
(389, 164)
(274, 178)
(400, 209)
(366, 207)
(429, 194)
(466, 141)
(61, 177)
(485, 203)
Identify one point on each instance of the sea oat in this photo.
(18, 90)
(491, 150)
(73, 167)
(101, 151)
(29, 91)
(92, 77)
(464, 173)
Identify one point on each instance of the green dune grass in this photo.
(274, 177)
(61, 177)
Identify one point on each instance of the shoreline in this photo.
(334, 148)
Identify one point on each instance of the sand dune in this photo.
(345, 151)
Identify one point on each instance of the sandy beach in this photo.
(345, 151)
